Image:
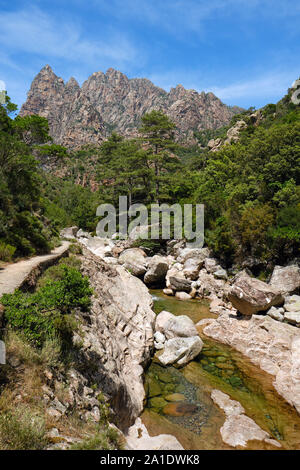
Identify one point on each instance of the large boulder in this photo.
(183, 296)
(174, 270)
(134, 259)
(221, 274)
(292, 303)
(171, 325)
(143, 231)
(249, 295)
(192, 267)
(199, 253)
(157, 270)
(180, 351)
(69, 232)
(101, 247)
(208, 285)
(211, 265)
(286, 279)
(180, 284)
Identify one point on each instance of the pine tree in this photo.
(157, 132)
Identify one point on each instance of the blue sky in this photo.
(245, 51)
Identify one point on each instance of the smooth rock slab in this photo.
(180, 350)
(292, 317)
(238, 428)
(230, 407)
(138, 439)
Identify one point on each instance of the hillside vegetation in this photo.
(250, 187)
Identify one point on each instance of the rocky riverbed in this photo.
(258, 319)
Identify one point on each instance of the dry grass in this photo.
(24, 422)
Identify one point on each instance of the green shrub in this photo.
(152, 246)
(6, 251)
(107, 439)
(48, 313)
(75, 249)
(56, 272)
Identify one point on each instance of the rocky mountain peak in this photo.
(111, 101)
(72, 83)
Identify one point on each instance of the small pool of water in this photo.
(179, 400)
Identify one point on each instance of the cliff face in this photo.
(111, 101)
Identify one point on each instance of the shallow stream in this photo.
(179, 400)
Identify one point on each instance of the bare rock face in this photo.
(286, 279)
(249, 295)
(269, 344)
(118, 335)
(111, 101)
(233, 135)
(73, 121)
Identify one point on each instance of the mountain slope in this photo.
(111, 101)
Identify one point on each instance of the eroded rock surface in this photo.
(118, 335)
(85, 115)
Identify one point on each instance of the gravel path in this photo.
(15, 275)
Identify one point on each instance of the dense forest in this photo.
(250, 187)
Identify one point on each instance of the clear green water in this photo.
(220, 367)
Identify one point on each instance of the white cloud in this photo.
(2, 85)
(33, 31)
(265, 87)
(183, 16)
